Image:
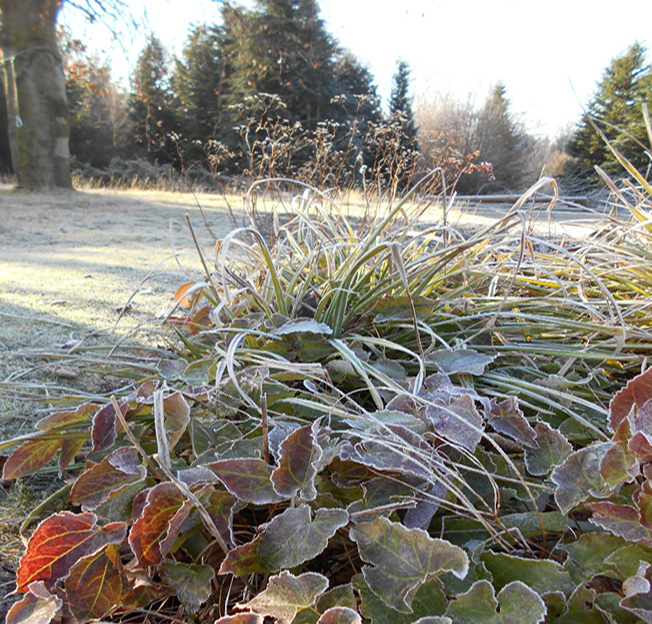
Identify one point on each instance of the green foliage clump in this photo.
(365, 421)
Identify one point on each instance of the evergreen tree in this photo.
(152, 105)
(396, 143)
(282, 48)
(400, 107)
(199, 84)
(502, 142)
(616, 108)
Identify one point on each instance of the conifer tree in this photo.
(502, 142)
(152, 104)
(400, 107)
(282, 48)
(616, 108)
(199, 84)
(397, 147)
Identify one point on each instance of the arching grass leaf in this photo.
(157, 527)
(38, 606)
(340, 615)
(293, 537)
(29, 457)
(579, 477)
(94, 585)
(286, 594)
(248, 479)
(457, 420)
(515, 604)
(552, 448)
(95, 485)
(191, 582)
(299, 455)
(59, 542)
(507, 418)
(403, 560)
(634, 395)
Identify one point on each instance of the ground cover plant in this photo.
(367, 421)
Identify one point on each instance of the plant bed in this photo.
(365, 422)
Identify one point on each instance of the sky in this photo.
(550, 55)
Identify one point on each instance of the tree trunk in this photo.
(35, 87)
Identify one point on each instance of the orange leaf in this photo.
(62, 419)
(94, 585)
(95, 485)
(180, 295)
(59, 542)
(69, 449)
(153, 533)
(29, 457)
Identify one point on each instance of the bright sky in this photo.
(549, 54)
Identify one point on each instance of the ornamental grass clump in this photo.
(367, 419)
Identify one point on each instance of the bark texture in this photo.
(36, 93)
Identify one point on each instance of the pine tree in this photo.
(282, 48)
(397, 148)
(502, 141)
(400, 107)
(199, 84)
(152, 104)
(616, 108)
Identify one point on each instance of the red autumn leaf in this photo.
(105, 427)
(59, 542)
(177, 417)
(194, 324)
(507, 418)
(94, 585)
(296, 472)
(69, 448)
(248, 479)
(95, 485)
(621, 520)
(635, 394)
(153, 533)
(29, 457)
(37, 606)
